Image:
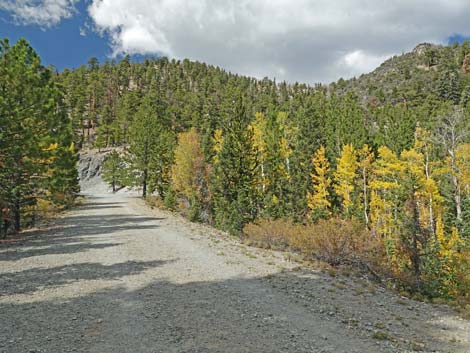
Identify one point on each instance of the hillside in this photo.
(440, 72)
(373, 174)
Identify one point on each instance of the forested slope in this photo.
(37, 152)
(376, 165)
(373, 171)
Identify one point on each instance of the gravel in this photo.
(114, 276)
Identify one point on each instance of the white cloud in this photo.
(357, 62)
(295, 40)
(44, 13)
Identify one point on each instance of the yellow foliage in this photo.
(345, 176)
(318, 200)
(365, 159)
(52, 147)
(385, 186)
(258, 130)
(218, 141)
(258, 127)
(188, 171)
(462, 161)
(449, 244)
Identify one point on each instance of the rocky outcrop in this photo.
(422, 48)
(89, 164)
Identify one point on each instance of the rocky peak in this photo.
(421, 48)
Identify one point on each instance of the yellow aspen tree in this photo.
(365, 159)
(258, 130)
(385, 188)
(345, 177)
(218, 141)
(421, 199)
(188, 172)
(449, 245)
(318, 200)
(462, 171)
(414, 175)
(425, 146)
(420, 169)
(284, 152)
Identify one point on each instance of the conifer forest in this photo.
(371, 172)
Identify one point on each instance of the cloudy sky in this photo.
(294, 40)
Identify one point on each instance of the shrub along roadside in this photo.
(335, 241)
(347, 242)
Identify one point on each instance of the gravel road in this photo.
(113, 276)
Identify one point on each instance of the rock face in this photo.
(89, 164)
(421, 49)
(466, 64)
(89, 167)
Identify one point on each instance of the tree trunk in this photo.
(4, 218)
(415, 249)
(457, 198)
(144, 184)
(17, 215)
(364, 189)
(4, 229)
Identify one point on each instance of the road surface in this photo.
(113, 276)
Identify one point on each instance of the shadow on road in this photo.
(41, 278)
(235, 315)
(73, 234)
(156, 311)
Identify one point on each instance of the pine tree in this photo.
(150, 148)
(345, 124)
(395, 127)
(448, 87)
(277, 173)
(421, 199)
(307, 134)
(63, 183)
(34, 133)
(113, 170)
(234, 173)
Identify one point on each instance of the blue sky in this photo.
(457, 38)
(306, 40)
(60, 45)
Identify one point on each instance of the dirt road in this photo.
(115, 277)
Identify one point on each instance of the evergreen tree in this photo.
(63, 183)
(448, 86)
(234, 173)
(34, 134)
(113, 170)
(150, 147)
